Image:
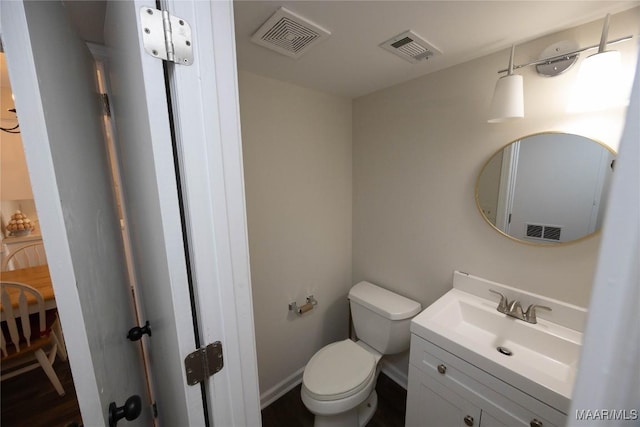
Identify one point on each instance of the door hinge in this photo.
(165, 36)
(203, 363)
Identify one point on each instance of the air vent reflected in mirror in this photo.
(544, 232)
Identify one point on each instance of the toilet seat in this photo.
(338, 370)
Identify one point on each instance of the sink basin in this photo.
(540, 359)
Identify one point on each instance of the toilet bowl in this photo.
(337, 379)
(338, 384)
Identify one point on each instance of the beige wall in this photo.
(418, 148)
(297, 159)
(14, 178)
(15, 186)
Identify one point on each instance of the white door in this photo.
(54, 83)
(205, 109)
(141, 115)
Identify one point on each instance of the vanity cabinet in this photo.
(430, 403)
(445, 390)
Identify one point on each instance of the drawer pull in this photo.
(468, 420)
(443, 369)
(535, 423)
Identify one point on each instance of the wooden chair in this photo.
(28, 255)
(32, 338)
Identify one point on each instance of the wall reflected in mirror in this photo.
(547, 188)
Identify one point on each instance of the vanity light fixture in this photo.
(599, 84)
(508, 96)
(591, 73)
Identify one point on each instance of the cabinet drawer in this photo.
(499, 400)
(430, 404)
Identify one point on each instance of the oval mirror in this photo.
(547, 188)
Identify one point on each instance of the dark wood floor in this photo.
(289, 410)
(30, 400)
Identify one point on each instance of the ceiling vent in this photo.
(411, 47)
(289, 34)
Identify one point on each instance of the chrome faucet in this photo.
(502, 305)
(514, 309)
(530, 314)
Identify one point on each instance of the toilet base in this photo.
(367, 409)
(356, 417)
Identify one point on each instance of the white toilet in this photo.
(338, 385)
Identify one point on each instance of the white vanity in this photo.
(471, 365)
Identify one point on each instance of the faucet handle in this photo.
(530, 314)
(515, 310)
(504, 302)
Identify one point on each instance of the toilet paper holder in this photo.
(308, 306)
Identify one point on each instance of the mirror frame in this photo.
(526, 242)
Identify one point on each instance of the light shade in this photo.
(508, 99)
(599, 84)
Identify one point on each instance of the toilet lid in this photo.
(338, 370)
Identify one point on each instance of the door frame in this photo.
(206, 113)
(611, 341)
(213, 188)
(506, 189)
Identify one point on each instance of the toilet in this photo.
(338, 384)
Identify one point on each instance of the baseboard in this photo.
(395, 374)
(280, 389)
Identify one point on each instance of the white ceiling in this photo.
(351, 63)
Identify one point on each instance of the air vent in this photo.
(534, 231)
(551, 233)
(411, 47)
(544, 232)
(289, 34)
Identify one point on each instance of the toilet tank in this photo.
(381, 318)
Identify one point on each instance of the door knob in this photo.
(137, 332)
(129, 411)
(468, 420)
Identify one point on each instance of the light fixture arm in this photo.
(605, 32)
(513, 53)
(508, 96)
(566, 55)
